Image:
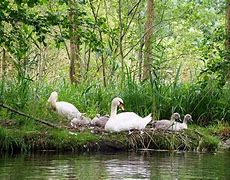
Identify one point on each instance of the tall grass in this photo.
(207, 103)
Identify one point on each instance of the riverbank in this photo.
(91, 139)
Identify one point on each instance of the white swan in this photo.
(177, 126)
(124, 121)
(165, 124)
(65, 109)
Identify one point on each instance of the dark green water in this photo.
(154, 165)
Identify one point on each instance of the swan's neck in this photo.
(53, 106)
(53, 102)
(185, 122)
(113, 110)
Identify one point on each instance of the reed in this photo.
(207, 103)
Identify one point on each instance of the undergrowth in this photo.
(207, 103)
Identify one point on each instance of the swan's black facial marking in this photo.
(121, 105)
(188, 117)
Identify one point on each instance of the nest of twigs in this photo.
(187, 140)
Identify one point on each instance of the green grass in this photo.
(206, 102)
(11, 141)
(196, 138)
(23, 141)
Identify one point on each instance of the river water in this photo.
(132, 165)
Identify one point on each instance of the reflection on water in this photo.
(129, 167)
(143, 165)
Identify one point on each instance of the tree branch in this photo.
(28, 116)
(135, 7)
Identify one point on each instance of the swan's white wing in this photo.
(127, 121)
(128, 116)
(67, 110)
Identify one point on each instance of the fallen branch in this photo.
(28, 116)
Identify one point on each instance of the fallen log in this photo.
(28, 116)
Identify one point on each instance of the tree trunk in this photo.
(3, 73)
(75, 61)
(95, 14)
(3, 64)
(148, 56)
(140, 59)
(121, 36)
(228, 30)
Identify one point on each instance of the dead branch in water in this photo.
(28, 116)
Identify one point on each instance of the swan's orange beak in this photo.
(121, 106)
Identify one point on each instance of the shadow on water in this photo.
(132, 165)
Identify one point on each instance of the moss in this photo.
(64, 140)
(207, 142)
(113, 142)
(12, 140)
(195, 139)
